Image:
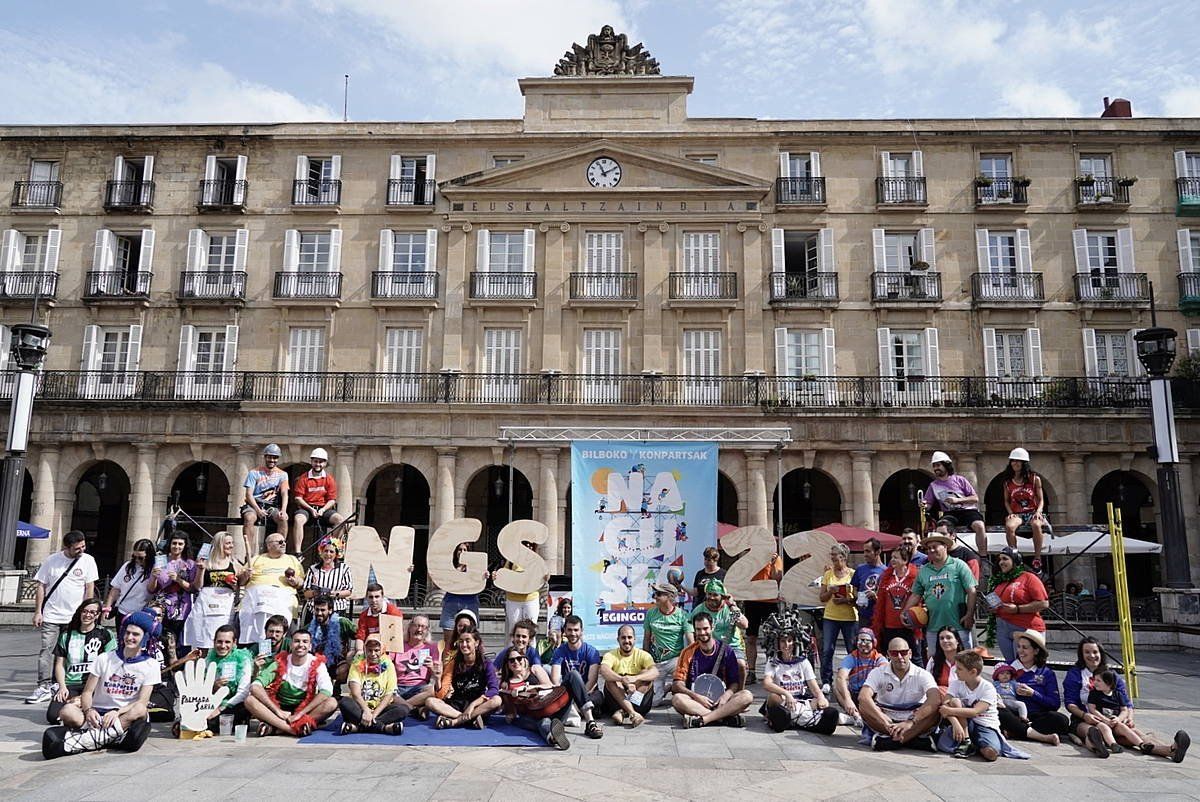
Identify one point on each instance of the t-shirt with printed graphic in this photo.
(945, 592)
(374, 686)
(265, 485)
(668, 633)
(724, 629)
(793, 677)
(79, 650)
(939, 491)
(581, 659)
(121, 682)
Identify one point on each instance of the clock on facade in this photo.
(604, 172)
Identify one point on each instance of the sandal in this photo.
(593, 730)
(265, 729)
(305, 730)
(348, 728)
(395, 728)
(477, 723)
(443, 723)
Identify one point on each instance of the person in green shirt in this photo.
(666, 631)
(947, 587)
(728, 622)
(80, 642)
(234, 670)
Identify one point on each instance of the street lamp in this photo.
(29, 344)
(1156, 352)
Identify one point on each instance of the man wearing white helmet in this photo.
(956, 501)
(1025, 503)
(266, 497)
(316, 497)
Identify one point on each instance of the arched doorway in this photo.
(898, 506)
(24, 513)
(810, 499)
(398, 495)
(101, 512)
(727, 500)
(487, 501)
(994, 512)
(202, 491)
(1130, 494)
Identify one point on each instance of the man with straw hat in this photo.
(947, 587)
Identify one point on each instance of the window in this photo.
(207, 356)
(409, 252)
(411, 180)
(907, 354)
(800, 178)
(799, 165)
(1098, 165)
(908, 164)
(504, 264)
(114, 352)
(1002, 252)
(132, 181)
(601, 358)
(900, 251)
(604, 251)
(1108, 353)
(502, 362)
(1010, 353)
(306, 354)
(998, 167)
(995, 165)
(906, 359)
(42, 170)
(403, 353)
(506, 161)
(222, 253)
(506, 252)
(701, 252)
(313, 255)
(110, 360)
(801, 353)
(1102, 252)
(122, 263)
(224, 181)
(1012, 362)
(24, 257)
(1189, 250)
(901, 177)
(802, 264)
(1104, 256)
(703, 158)
(805, 354)
(701, 357)
(318, 180)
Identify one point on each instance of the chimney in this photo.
(1119, 107)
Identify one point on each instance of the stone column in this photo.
(756, 484)
(1191, 521)
(752, 292)
(554, 294)
(1078, 512)
(343, 474)
(967, 465)
(443, 493)
(460, 252)
(141, 498)
(44, 512)
(862, 489)
(655, 267)
(247, 458)
(548, 505)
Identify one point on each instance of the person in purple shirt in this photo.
(956, 502)
(1037, 687)
(708, 656)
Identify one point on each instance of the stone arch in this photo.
(1134, 494)
(24, 513)
(811, 497)
(727, 499)
(486, 499)
(101, 512)
(399, 495)
(993, 500)
(898, 507)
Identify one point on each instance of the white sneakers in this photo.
(42, 693)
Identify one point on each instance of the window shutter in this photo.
(785, 164)
(1079, 237)
(529, 239)
(886, 368)
(885, 162)
(814, 164)
(53, 241)
(231, 345)
(878, 242)
(431, 237)
(385, 250)
(828, 353)
(1134, 362)
(301, 168)
(982, 250)
(91, 348)
(1181, 164)
(197, 250)
(431, 167)
(481, 250)
(932, 366)
(1024, 252)
(335, 168)
(119, 168)
(1185, 250)
(990, 368)
(1033, 352)
(778, 263)
(239, 175)
(239, 172)
(135, 348)
(928, 253)
(781, 355)
(1193, 341)
(395, 167)
(146, 262)
(1091, 366)
(187, 349)
(210, 175)
(104, 251)
(241, 244)
(335, 250)
(148, 168)
(291, 250)
(918, 164)
(1125, 251)
(5, 347)
(11, 250)
(826, 260)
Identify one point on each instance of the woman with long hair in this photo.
(1037, 687)
(217, 583)
(129, 589)
(174, 587)
(1025, 502)
(534, 705)
(469, 690)
(80, 642)
(1019, 597)
(941, 665)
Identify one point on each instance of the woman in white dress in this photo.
(218, 579)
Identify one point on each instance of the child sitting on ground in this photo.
(1108, 701)
(971, 710)
(1006, 689)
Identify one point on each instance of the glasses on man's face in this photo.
(274, 542)
(899, 652)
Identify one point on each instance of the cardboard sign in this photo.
(391, 632)
(511, 542)
(365, 550)
(442, 544)
(798, 583)
(758, 545)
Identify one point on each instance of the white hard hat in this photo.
(319, 453)
(1019, 453)
(940, 456)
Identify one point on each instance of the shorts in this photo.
(757, 612)
(326, 517)
(411, 691)
(962, 518)
(458, 704)
(738, 652)
(455, 603)
(983, 737)
(267, 509)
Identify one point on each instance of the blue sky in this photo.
(281, 60)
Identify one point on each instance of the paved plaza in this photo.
(659, 761)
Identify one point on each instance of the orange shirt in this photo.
(765, 573)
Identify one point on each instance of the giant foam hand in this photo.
(197, 699)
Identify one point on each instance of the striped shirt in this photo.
(329, 581)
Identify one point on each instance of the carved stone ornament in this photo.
(606, 53)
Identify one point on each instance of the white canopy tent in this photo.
(1091, 541)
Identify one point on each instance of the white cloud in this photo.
(931, 34)
(1182, 101)
(1034, 99)
(142, 82)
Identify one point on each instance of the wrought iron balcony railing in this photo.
(1007, 287)
(1111, 287)
(408, 192)
(804, 287)
(392, 284)
(1189, 287)
(806, 191)
(603, 286)
(924, 286)
(223, 194)
(1001, 191)
(703, 286)
(27, 284)
(117, 284)
(37, 194)
(503, 286)
(1188, 190)
(316, 193)
(1090, 191)
(901, 190)
(308, 285)
(129, 195)
(212, 285)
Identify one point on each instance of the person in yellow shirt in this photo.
(372, 704)
(628, 673)
(841, 614)
(271, 581)
(522, 606)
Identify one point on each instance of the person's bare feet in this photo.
(618, 717)
(636, 719)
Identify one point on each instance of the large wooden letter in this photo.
(440, 557)
(364, 551)
(759, 545)
(511, 542)
(811, 548)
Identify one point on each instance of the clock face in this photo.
(604, 172)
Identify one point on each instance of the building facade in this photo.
(399, 292)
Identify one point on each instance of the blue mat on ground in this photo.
(422, 733)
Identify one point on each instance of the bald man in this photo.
(899, 702)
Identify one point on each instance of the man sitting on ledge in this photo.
(293, 694)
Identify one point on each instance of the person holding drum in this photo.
(707, 678)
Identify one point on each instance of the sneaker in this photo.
(751, 678)
(593, 730)
(558, 736)
(963, 750)
(42, 693)
(923, 742)
(1115, 748)
(884, 743)
(1182, 742)
(737, 721)
(692, 722)
(825, 688)
(1095, 742)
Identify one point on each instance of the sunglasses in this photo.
(517, 659)
(899, 652)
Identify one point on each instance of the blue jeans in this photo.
(1004, 633)
(829, 633)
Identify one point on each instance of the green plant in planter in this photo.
(1127, 182)
(1086, 180)
(920, 265)
(1022, 181)
(1188, 367)
(983, 181)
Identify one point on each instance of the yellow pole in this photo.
(1124, 614)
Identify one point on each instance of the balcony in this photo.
(28, 285)
(1112, 288)
(800, 191)
(37, 195)
(918, 287)
(1189, 294)
(117, 285)
(316, 193)
(129, 196)
(773, 395)
(408, 192)
(223, 196)
(504, 286)
(1091, 191)
(901, 191)
(1001, 192)
(1188, 190)
(387, 284)
(202, 286)
(314, 286)
(804, 287)
(1007, 288)
(702, 286)
(603, 286)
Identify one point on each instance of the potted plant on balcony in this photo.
(1085, 180)
(1185, 384)
(983, 181)
(920, 264)
(1022, 181)
(1127, 182)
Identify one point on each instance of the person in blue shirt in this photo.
(866, 579)
(576, 664)
(523, 633)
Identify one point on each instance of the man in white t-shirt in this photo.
(899, 702)
(64, 580)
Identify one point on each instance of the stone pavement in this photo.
(659, 761)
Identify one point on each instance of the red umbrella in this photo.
(856, 537)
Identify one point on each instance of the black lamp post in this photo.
(1156, 352)
(29, 344)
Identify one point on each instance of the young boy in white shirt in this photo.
(970, 708)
